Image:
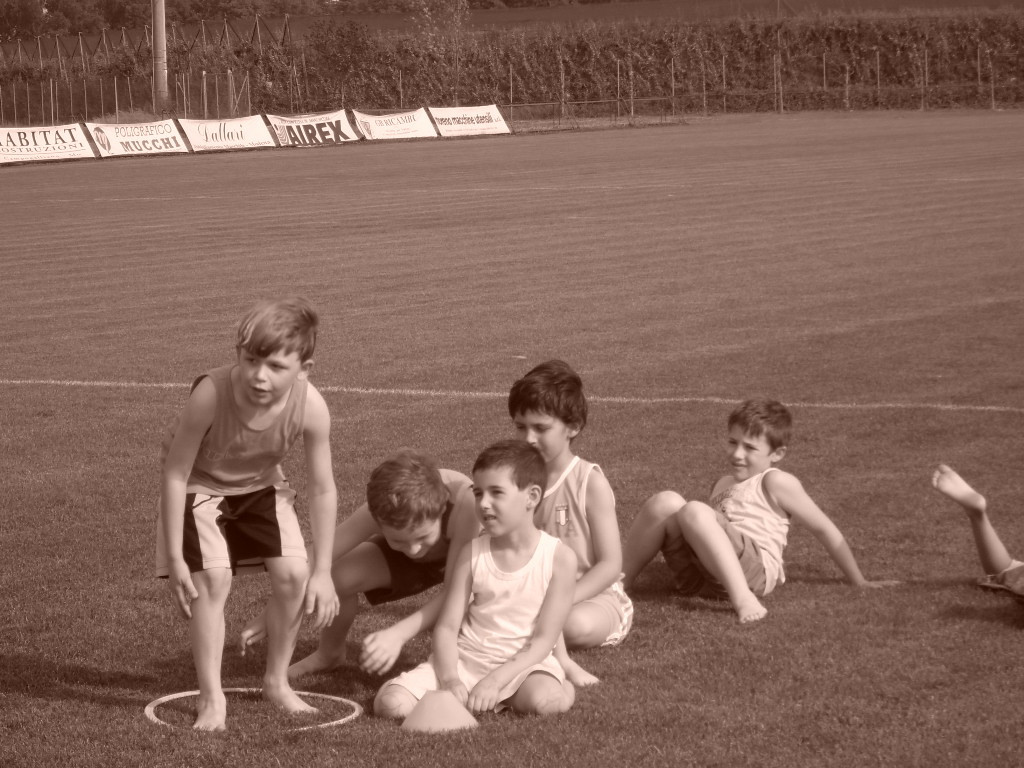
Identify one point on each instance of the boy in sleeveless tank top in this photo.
(225, 505)
(504, 606)
(402, 541)
(549, 410)
(731, 548)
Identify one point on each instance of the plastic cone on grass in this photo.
(439, 711)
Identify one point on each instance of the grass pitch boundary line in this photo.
(467, 395)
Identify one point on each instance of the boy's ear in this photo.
(777, 455)
(534, 496)
(304, 370)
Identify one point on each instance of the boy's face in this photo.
(416, 541)
(265, 380)
(549, 434)
(501, 505)
(749, 455)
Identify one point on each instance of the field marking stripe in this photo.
(456, 394)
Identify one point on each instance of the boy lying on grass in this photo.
(731, 548)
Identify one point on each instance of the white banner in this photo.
(312, 130)
(117, 139)
(237, 133)
(468, 121)
(55, 142)
(401, 125)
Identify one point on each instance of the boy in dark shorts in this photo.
(399, 543)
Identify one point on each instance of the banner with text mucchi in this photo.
(118, 139)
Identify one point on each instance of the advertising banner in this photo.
(236, 133)
(118, 139)
(401, 125)
(312, 130)
(468, 121)
(55, 142)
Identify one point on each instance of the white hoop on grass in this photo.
(357, 710)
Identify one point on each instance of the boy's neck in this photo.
(521, 539)
(557, 466)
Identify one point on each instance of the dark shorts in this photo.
(408, 576)
(693, 579)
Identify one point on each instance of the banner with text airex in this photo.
(117, 139)
(468, 121)
(234, 133)
(312, 130)
(54, 142)
(401, 125)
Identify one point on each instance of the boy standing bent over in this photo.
(504, 605)
(732, 548)
(225, 504)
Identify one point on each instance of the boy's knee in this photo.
(552, 698)
(694, 513)
(289, 577)
(393, 701)
(662, 505)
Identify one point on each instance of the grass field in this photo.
(865, 268)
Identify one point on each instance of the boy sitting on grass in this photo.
(401, 542)
(732, 547)
(504, 605)
(225, 504)
(549, 410)
(1001, 570)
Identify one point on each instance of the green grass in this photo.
(865, 268)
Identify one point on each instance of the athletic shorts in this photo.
(237, 532)
(408, 576)
(1010, 579)
(693, 579)
(618, 607)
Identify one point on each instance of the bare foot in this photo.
(285, 698)
(211, 712)
(949, 483)
(576, 674)
(317, 661)
(255, 631)
(750, 610)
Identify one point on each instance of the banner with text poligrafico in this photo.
(468, 121)
(54, 142)
(235, 133)
(119, 139)
(401, 125)
(312, 130)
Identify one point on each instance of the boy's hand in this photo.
(380, 651)
(458, 690)
(321, 597)
(484, 696)
(179, 580)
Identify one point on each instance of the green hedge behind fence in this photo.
(969, 58)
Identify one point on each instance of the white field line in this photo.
(448, 394)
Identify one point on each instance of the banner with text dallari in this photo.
(237, 133)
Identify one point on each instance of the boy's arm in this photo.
(193, 423)
(605, 537)
(546, 631)
(381, 649)
(458, 589)
(789, 494)
(323, 508)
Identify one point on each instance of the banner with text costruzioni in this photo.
(236, 133)
(312, 130)
(54, 142)
(401, 125)
(119, 139)
(468, 121)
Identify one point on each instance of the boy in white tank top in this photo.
(732, 547)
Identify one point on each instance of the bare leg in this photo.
(288, 577)
(206, 632)
(541, 694)
(574, 673)
(991, 551)
(699, 524)
(647, 533)
(330, 652)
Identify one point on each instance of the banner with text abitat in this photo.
(54, 142)
(401, 125)
(312, 130)
(234, 133)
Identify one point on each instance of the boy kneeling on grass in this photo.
(732, 547)
(505, 603)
